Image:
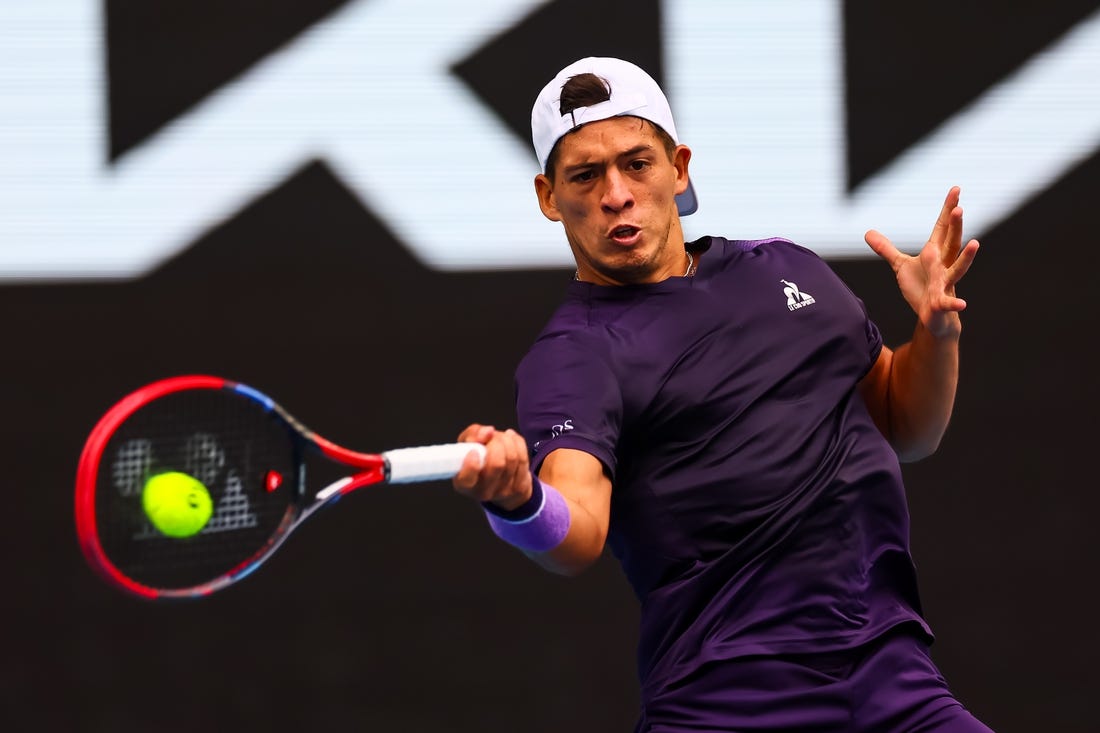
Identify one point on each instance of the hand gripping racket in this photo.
(188, 484)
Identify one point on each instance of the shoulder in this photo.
(771, 245)
(747, 256)
(577, 327)
(732, 249)
(558, 349)
(570, 358)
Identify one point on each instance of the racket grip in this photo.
(428, 463)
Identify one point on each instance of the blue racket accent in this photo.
(267, 402)
(167, 415)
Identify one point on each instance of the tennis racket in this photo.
(237, 463)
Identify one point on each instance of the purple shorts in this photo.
(885, 686)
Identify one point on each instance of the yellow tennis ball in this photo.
(177, 504)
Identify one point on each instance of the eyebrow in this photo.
(636, 150)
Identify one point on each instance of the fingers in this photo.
(945, 301)
(504, 476)
(952, 241)
(515, 474)
(466, 478)
(943, 221)
(471, 466)
(476, 434)
(928, 280)
(884, 248)
(962, 263)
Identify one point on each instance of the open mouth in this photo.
(625, 234)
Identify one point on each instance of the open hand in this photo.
(927, 281)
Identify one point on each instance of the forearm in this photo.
(910, 392)
(586, 488)
(561, 519)
(921, 392)
(581, 547)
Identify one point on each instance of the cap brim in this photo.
(687, 203)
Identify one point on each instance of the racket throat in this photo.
(333, 491)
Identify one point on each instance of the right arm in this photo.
(504, 479)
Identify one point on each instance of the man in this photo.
(724, 414)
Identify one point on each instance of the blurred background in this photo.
(332, 202)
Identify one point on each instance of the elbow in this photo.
(565, 563)
(918, 437)
(912, 456)
(915, 450)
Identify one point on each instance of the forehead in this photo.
(606, 138)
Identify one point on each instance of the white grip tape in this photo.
(430, 462)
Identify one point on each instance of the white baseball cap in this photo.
(633, 93)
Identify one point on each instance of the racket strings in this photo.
(243, 454)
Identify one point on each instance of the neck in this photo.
(689, 264)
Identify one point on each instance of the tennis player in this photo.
(725, 416)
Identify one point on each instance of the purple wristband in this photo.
(540, 524)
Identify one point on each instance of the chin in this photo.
(629, 270)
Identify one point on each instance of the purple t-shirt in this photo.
(755, 508)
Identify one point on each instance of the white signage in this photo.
(757, 88)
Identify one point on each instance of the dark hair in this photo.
(585, 90)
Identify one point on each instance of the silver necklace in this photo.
(691, 266)
(687, 273)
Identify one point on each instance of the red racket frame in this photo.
(88, 470)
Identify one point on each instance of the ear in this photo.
(544, 189)
(681, 156)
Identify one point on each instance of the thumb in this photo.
(883, 247)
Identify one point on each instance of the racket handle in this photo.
(430, 462)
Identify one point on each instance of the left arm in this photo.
(910, 391)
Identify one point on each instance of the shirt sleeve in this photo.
(874, 337)
(870, 329)
(567, 397)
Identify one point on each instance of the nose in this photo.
(617, 194)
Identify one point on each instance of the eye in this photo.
(583, 176)
(638, 165)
